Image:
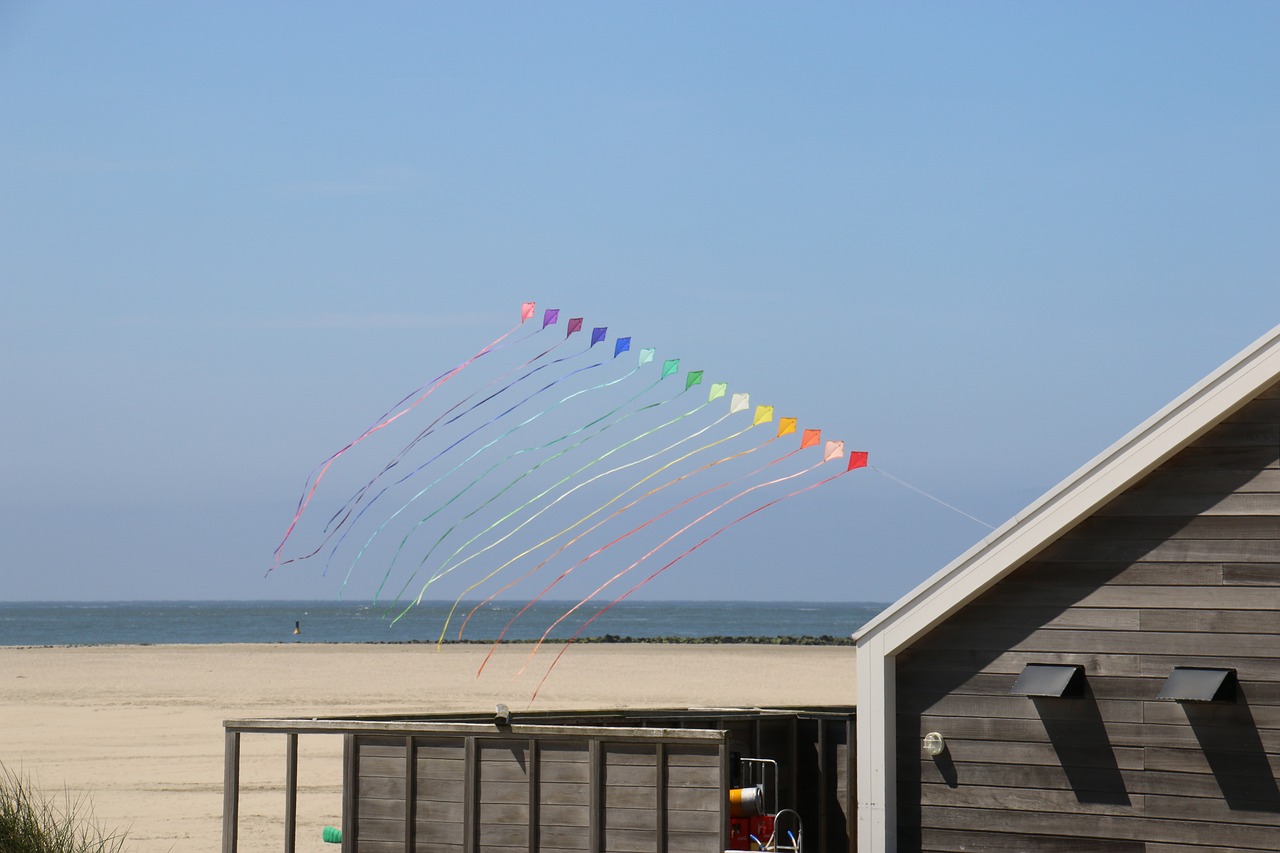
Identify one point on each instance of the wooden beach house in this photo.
(1102, 673)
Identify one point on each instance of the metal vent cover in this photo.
(1049, 680)
(1199, 684)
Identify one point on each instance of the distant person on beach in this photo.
(297, 628)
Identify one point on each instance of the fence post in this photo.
(231, 792)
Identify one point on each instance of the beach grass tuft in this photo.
(34, 822)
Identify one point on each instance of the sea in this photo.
(204, 622)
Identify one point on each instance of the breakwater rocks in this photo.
(824, 640)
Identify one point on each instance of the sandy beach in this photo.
(139, 728)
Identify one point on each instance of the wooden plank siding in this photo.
(564, 815)
(380, 794)
(1182, 569)
(497, 795)
(439, 801)
(503, 796)
(694, 794)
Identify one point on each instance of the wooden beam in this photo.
(410, 790)
(851, 795)
(350, 790)
(724, 794)
(824, 781)
(290, 792)
(661, 762)
(231, 792)
(532, 760)
(429, 727)
(471, 785)
(595, 800)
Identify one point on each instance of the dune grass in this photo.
(33, 822)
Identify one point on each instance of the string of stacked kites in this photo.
(499, 474)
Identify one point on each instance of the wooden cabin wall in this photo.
(499, 795)
(1181, 570)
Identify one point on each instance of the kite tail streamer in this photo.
(509, 386)
(355, 499)
(715, 393)
(369, 505)
(446, 450)
(446, 567)
(610, 544)
(441, 573)
(597, 526)
(552, 363)
(826, 457)
(525, 313)
(646, 355)
(856, 460)
(501, 462)
(669, 367)
(426, 432)
(786, 426)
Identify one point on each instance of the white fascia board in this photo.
(877, 767)
(1175, 426)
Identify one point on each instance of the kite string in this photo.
(937, 500)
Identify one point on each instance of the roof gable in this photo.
(1174, 427)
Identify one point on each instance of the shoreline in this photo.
(606, 639)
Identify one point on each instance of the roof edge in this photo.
(1189, 416)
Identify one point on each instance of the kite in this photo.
(509, 467)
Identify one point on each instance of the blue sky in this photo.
(980, 241)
